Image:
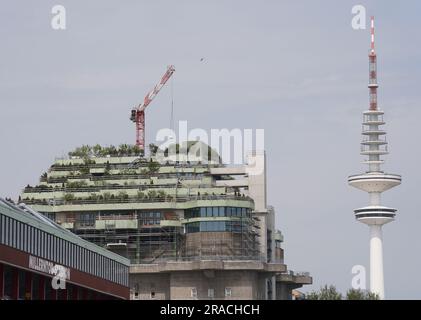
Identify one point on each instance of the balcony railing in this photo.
(58, 202)
(63, 179)
(95, 188)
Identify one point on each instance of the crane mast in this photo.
(138, 113)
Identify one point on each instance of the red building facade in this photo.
(40, 260)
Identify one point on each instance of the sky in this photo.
(297, 69)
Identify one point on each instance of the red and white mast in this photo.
(372, 85)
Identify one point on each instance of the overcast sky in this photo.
(295, 68)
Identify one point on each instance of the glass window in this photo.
(52, 245)
(70, 291)
(18, 234)
(211, 293)
(82, 259)
(35, 287)
(215, 211)
(222, 211)
(203, 226)
(41, 243)
(17, 230)
(14, 234)
(209, 211)
(228, 211)
(211, 225)
(8, 281)
(1, 228)
(49, 246)
(193, 293)
(50, 293)
(36, 242)
(21, 286)
(6, 230)
(25, 237)
(203, 212)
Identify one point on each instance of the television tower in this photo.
(374, 181)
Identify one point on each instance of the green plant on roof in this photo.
(84, 170)
(93, 196)
(87, 161)
(97, 150)
(123, 150)
(152, 194)
(153, 166)
(122, 195)
(76, 184)
(153, 149)
(68, 197)
(194, 148)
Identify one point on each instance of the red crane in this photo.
(138, 113)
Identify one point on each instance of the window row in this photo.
(217, 212)
(217, 226)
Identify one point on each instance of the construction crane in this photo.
(138, 113)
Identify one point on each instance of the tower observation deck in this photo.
(374, 181)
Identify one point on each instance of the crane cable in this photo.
(172, 105)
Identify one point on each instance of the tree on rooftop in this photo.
(112, 150)
(68, 197)
(137, 151)
(153, 166)
(153, 149)
(123, 150)
(97, 149)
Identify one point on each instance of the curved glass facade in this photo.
(217, 226)
(239, 223)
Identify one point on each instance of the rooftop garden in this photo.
(148, 196)
(195, 149)
(87, 151)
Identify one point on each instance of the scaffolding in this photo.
(151, 242)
